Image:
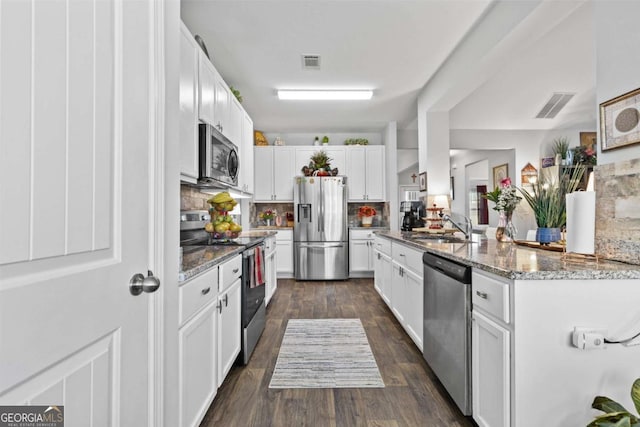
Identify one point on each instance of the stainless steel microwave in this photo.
(219, 163)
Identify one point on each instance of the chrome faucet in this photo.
(468, 225)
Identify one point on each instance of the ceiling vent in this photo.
(553, 106)
(310, 62)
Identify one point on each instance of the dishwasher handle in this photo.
(455, 270)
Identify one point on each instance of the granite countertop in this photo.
(271, 227)
(519, 262)
(198, 259)
(377, 228)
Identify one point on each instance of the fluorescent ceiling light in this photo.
(325, 95)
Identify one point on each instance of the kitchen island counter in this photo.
(517, 262)
(197, 259)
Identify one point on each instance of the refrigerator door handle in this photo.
(321, 246)
(321, 216)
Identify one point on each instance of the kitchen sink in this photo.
(440, 239)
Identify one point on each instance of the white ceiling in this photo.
(562, 60)
(393, 47)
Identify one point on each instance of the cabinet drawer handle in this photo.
(482, 295)
(205, 290)
(235, 270)
(219, 306)
(226, 300)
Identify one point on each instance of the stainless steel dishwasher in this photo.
(447, 326)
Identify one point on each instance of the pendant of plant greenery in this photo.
(617, 415)
(547, 197)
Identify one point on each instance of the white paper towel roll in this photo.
(581, 222)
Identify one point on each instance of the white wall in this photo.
(617, 39)
(391, 175)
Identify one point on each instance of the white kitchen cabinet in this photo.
(273, 174)
(490, 350)
(490, 372)
(222, 107)
(284, 253)
(361, 250)
(188, 97)
(383, 276)
(383, 272)
(399, 280)
(235, 122)
(229, 315)
(245, 182)
(336, 154)
(398, 292)
(414, 294)
(198, 362)
(366, 171)
(207, 77)
(214, 98)
(229, 328)
(409, 289)
(271, 280)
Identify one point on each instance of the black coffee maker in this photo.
(413, 213)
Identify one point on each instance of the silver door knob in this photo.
(139, 284)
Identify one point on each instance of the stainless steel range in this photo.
(253, 275)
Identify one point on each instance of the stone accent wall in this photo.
(192, 199)
(618, 211)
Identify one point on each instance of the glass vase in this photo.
(506, 231)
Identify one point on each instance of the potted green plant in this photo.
(561, 149)
(325, 140)
(548, 202)
(320, 163)
(614, 413)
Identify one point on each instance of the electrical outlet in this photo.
(588, 338)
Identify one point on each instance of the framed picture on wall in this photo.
(500, 173)
(423, 181)
(620, 121)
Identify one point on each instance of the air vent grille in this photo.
(553, 106)
(311, 62)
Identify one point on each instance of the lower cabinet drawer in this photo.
(229, 272)
(491, 295)
(196, 293)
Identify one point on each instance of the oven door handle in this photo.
(340, 245)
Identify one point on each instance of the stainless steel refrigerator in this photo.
(320, 235)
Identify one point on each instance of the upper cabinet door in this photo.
(246, 149)
(356, 171)
(375, 181)
(222, 106)
(263, 174)
(206, 90)
(283, 173)
(188, 106)
(236, 119)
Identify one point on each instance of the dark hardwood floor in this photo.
(412, 395)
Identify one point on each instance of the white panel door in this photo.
(229, 329)
(263, 174)
(359, 256)
(356, 171)
(188, 106)
(246, 149)
(375, 173)
(283, 173)
(75, 156)
(206, 89)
